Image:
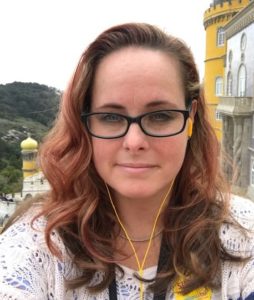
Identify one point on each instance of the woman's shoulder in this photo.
(21, 227)
(27, 267)
(237, 237)
(29, 231)
(237, 234)
(242, 210)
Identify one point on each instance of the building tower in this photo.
(29, 151)
(218, 15)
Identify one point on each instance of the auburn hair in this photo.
(77, 205)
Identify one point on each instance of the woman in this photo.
(138, 206)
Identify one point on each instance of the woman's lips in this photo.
(136, 167)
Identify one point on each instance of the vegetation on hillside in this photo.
(24, 108)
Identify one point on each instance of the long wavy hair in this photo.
(77, 205)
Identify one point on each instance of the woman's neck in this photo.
(138, 215)
(139, 218)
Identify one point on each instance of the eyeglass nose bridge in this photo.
(134, 120)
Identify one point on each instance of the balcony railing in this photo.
(236, 105)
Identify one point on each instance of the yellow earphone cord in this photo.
(142, 264)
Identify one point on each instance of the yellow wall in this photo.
(29, 168)
(29, 162)
(214, 18)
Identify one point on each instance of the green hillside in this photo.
(24, 108)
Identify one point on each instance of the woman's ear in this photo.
(194, 107)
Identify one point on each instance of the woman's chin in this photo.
(139, 193)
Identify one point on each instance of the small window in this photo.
(218, 86)
(229, 91)
(243, 42)
(230, 56)
(220, 36)
(241, 81)
(218, 115)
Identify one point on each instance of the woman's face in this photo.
(133, 81)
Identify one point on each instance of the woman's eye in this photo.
(110, 118)
(161, 116)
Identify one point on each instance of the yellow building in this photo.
(34, 181)
(217, 16)
(29, 149)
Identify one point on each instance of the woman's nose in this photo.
(135, 139)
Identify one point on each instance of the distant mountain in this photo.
(33, 103)
(24, 108)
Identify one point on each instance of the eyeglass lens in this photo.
(160, 123)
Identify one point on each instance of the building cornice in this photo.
(244, 18)
(219, 18)
(214, 58)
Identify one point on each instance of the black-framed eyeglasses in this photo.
(161, 123)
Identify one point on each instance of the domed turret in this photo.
(29, 144)
(29, 154)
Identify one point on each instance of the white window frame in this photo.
(243, 42)
(220, 36)
(218, 86)
(229, 91)
(241, 82)
(218, 115)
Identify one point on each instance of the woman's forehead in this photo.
(137, 76)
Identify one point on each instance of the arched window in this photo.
(243, 41)
(241, 87)
(219, 86)
(220, 36)
(229, 91)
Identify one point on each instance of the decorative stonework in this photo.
(219, 18)
(237, 150)
(227, 144)
(241, 21)
(236, 106)
(235, 141)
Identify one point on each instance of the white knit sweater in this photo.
(29, 271)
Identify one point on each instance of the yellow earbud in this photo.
(190, 127)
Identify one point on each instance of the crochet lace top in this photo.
(29, 271)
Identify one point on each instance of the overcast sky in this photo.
(42, 40)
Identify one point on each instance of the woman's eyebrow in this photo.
(111, 106)
(157, 103)
(154, 103)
